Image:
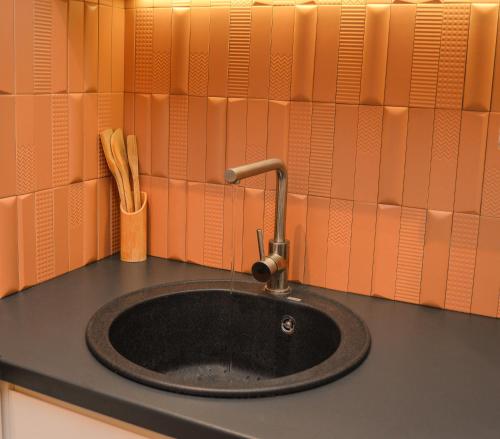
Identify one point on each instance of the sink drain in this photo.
(288, 325)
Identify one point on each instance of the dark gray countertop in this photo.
(430, 373)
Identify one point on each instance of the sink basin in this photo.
(202, 339)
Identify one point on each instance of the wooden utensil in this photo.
(108, 153)
(120, 156)
(133, 161)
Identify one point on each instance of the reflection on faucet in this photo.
(272, 269)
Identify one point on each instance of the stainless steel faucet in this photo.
(272, 269)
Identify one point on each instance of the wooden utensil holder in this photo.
(133, 232)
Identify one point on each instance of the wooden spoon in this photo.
(108, 153)
(120, 155)
(133, 161)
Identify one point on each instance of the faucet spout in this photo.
(234, 175)
(273, 268)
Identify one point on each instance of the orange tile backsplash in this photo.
(385, 113)
(61, 80)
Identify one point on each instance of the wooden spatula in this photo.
(108, 153)
(133, 161)
(120, 156)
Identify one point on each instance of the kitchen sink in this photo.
(227, 340)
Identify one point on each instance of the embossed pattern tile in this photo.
(379, 109)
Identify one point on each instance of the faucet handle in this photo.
(260, 242)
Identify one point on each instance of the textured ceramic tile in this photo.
(160, 117)
(299, 147)
(321, 158)
(216, 140)
(118, 51)
(7, 47)
(157, 215)
(61, 228)
(344, 151)
(240, 18)
(375, 54)
(339, 243)
(219, 51)
(103, 217)
(8, 148)
(253, 217)
(445, 143)
(296, 220)
(195, 226)
(471, 158)
(481, 57)
(43, 27)
(352, 31)
(198, 51)
(91, 47)
(26, 239)
(368, 145)
(89, 221)
(232, 253)
(426, 45)
(25, 148)
(385, 258)
(392, 156)
(75, 137)
(491, 187)
(60, 140)
(256, 138)
(435, 259)
(24, 46)
(260, 52)
(105, 48)
(76, 40)
(280, 78)
(129, 50)
(410, 254)
(277, 135)
(304, 52)
(487, 276)
(462, 262)
(269, 216)
(162, 44)
(400, 54)
(327, 44)
(177, 218)
(418, 157)
(44, 235)
(453, 53)
(213, 226)
(75, 225)
(143, 50)
(316, 241)
(9, 280)
(364, 217)
(178, 136)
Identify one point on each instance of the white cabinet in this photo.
(26, 416)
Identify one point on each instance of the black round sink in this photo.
(202, 339)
